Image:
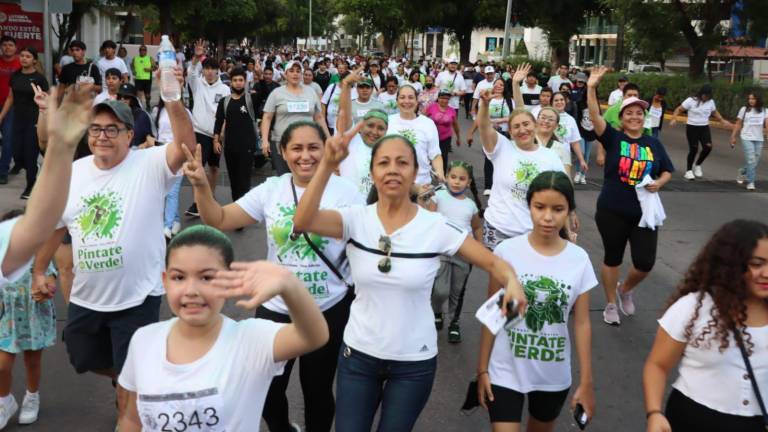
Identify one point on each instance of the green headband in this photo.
(381, 115)
(199, 229)
(460, 163)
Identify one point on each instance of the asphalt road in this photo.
(72, 402)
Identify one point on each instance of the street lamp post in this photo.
(505, 46)
(310, 24)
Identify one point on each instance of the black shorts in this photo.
(507, 405)
(98, 341)
(210, 157)
(685, 414)
(616, 230)
(67, 240)
(144, 85)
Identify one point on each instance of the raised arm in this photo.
(183, 133)
(488, 134)
(594, 107)
(309, 217)
(66, 126)
(517, 79)
(344, 117)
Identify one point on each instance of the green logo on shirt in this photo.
(281, 230)
(101, 216)
(410, 135)
(547, 302)
(525, 173)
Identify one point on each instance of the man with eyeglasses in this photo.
(115, 215)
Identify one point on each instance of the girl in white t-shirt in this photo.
(717, 318)
(201, 368)
(451, 280)
(389, 97)
(751, 127)
(699, 108)
(389, 356)
(318, 261)
(567, 130)
(532, 358)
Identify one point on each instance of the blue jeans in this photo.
(363, 382)
(586, 150)
(172, 205)
(655, 132)
(7, 150)
(752, 152)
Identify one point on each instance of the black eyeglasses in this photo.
(385, 245)
(109, 131)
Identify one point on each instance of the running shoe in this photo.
(30, 407)
(175, 228)
(487, 192)
(25, 195)
(192, 211)
(439, 321)
(16, 169)
(740, 177)
(576, 178)
(8, 410)
(583, 179)
(295, 427)
(611, 314)
(454, 333)
(751, 186)
(3, 179)
(167, 233)
(697, 171)
(689, 175)
(626, 304)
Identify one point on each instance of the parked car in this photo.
(645, 68)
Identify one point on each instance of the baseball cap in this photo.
(127, 89)
(293, 63)
(365, 82)
(581, 76)
(444, 93)
(373, 63)
(490, 69)
(632, 101)
(623, 78)
(77, 44)
(119, 109)
(452, 60)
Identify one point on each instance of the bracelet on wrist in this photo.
(481, 373)
(652, 412)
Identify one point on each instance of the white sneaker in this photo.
(689, 175)
(487, 192)
(295, 427)
(583, 179)
(167, 233)
(7, 410)
(576, 178)
(30, 407)
(751, 186)
(697, 171)
(740, 177)
(175, 228)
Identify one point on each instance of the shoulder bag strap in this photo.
(751, 373)
(317, 250)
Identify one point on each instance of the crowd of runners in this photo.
(373, 228)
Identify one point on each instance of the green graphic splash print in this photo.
(101, 217)
(280, 231)
(547, 302)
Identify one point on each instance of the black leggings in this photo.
(445, 148)
(698, 135)
(616, 230)
(468, 104)
(239, 168)
(26, 148)
(684, 415)
(316, 374)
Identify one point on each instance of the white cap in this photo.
(293, 63)
(452, 60)
(490, 69)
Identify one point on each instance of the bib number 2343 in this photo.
(182, 412)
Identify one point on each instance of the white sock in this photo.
(34, 395)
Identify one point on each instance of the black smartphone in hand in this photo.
(580, 416)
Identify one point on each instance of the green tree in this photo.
(521, 49)
(461, 19)
(652, 34)
(384, 16)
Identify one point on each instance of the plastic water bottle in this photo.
(170, 90)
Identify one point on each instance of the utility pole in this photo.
(310, 24)
(505, 46)
(47, 54)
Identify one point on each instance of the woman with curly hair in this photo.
(716, 325)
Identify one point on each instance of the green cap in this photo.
(365, 82)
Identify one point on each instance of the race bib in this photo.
(195, 411)
(655, 112)
(297, 106)
(755, 120)
(648, 123)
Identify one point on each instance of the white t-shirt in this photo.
(272, 203)
(567, 131)
(103, 96)
(115, 217)
(535, 354)
(615, 97)
(331, 99)
(535, 110)
(360, 109)
(699, 112)
(753, 126)
(6, 229)
(164, 131)
(451, 82)
(655, 114)
(704, 369)
(105, 64)
(390, 102)
(525, 90)
(555, 82)
(481, 87)
(416, 85)
(422, 133)
(391, 317)
(460, 211)
(513, 171)
(499, 109)
(563, 151)
(225, 389)
(356, 167)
